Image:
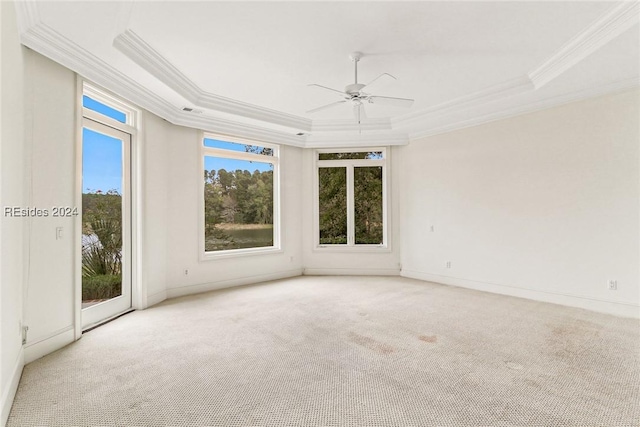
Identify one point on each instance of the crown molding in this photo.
(350, 125)
(48, 42)
(140, 52)
(477, 99)
(231, 128)
(271, 126)
(357, 140)
(27, 14)
(619, 86)
(610, 25)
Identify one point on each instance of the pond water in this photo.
(243, 238)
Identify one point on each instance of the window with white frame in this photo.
(240, 195)
(351, 198)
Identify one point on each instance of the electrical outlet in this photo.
(448, 264)
(186, 271)
(613, 285)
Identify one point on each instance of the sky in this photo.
(102, 155)
(217, 163)
(101, 162)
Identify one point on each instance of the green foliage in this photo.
(368, 204)
(102, 226)
(97, 206)
(235, 197)
(101, 287)
(368, 209)
(238, 197)
(333, 205)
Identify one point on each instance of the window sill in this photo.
(353, 249)
(235, 253)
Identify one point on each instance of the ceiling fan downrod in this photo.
(355, 57)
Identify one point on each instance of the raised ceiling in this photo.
(247, 65)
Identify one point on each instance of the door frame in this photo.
(133, 128)
(104, 310)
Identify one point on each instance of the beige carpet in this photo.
(342, 351)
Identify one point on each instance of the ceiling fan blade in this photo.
(326, 106)
(386, 100)
(327, 88)
(359, 113)
(381, 75)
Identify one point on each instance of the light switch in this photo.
(58, 233)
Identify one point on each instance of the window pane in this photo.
(101, 108)
(367, 192)
(101, 217)
(238, 204)
(374, 155)
(333, 205)
(234, 146)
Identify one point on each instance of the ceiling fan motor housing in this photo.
(354, 88)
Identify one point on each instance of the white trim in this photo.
(239, 155)
(77, 253)
(27, 14)
(351, 272)
(616, 308)
(156, 298)
(362, 140)
(320, 125)
(450, 126)
(140, 52)
(246, 280)
(44, 346)
(110, 100)
(614, 22)
(45, 40)
(9, 393)
(97, 313)
(473, 100)
(349, 165)
(132, 180)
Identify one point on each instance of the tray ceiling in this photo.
(247, 65)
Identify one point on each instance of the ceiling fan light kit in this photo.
(354, 93)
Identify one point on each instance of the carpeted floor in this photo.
(342, 351)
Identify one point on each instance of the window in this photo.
(99, 105)
(351, 202)
(240, 196)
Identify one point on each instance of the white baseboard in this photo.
(602, 306)
(10, 392)
(156, 298)
(247, 280)
(351, 272)
(48, 345)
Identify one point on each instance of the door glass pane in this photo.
(102, 183)
(367, 192)
(238, 204)
(333, 205)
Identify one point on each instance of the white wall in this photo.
(543, 206)
(172, 201)
(155, 182)
(50, 141)
(11, 193)
(323, 261)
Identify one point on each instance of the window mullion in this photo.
(350, 208)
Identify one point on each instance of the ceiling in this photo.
(245, 67)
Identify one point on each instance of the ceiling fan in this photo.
(353, 93)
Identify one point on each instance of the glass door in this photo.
(106, 222)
